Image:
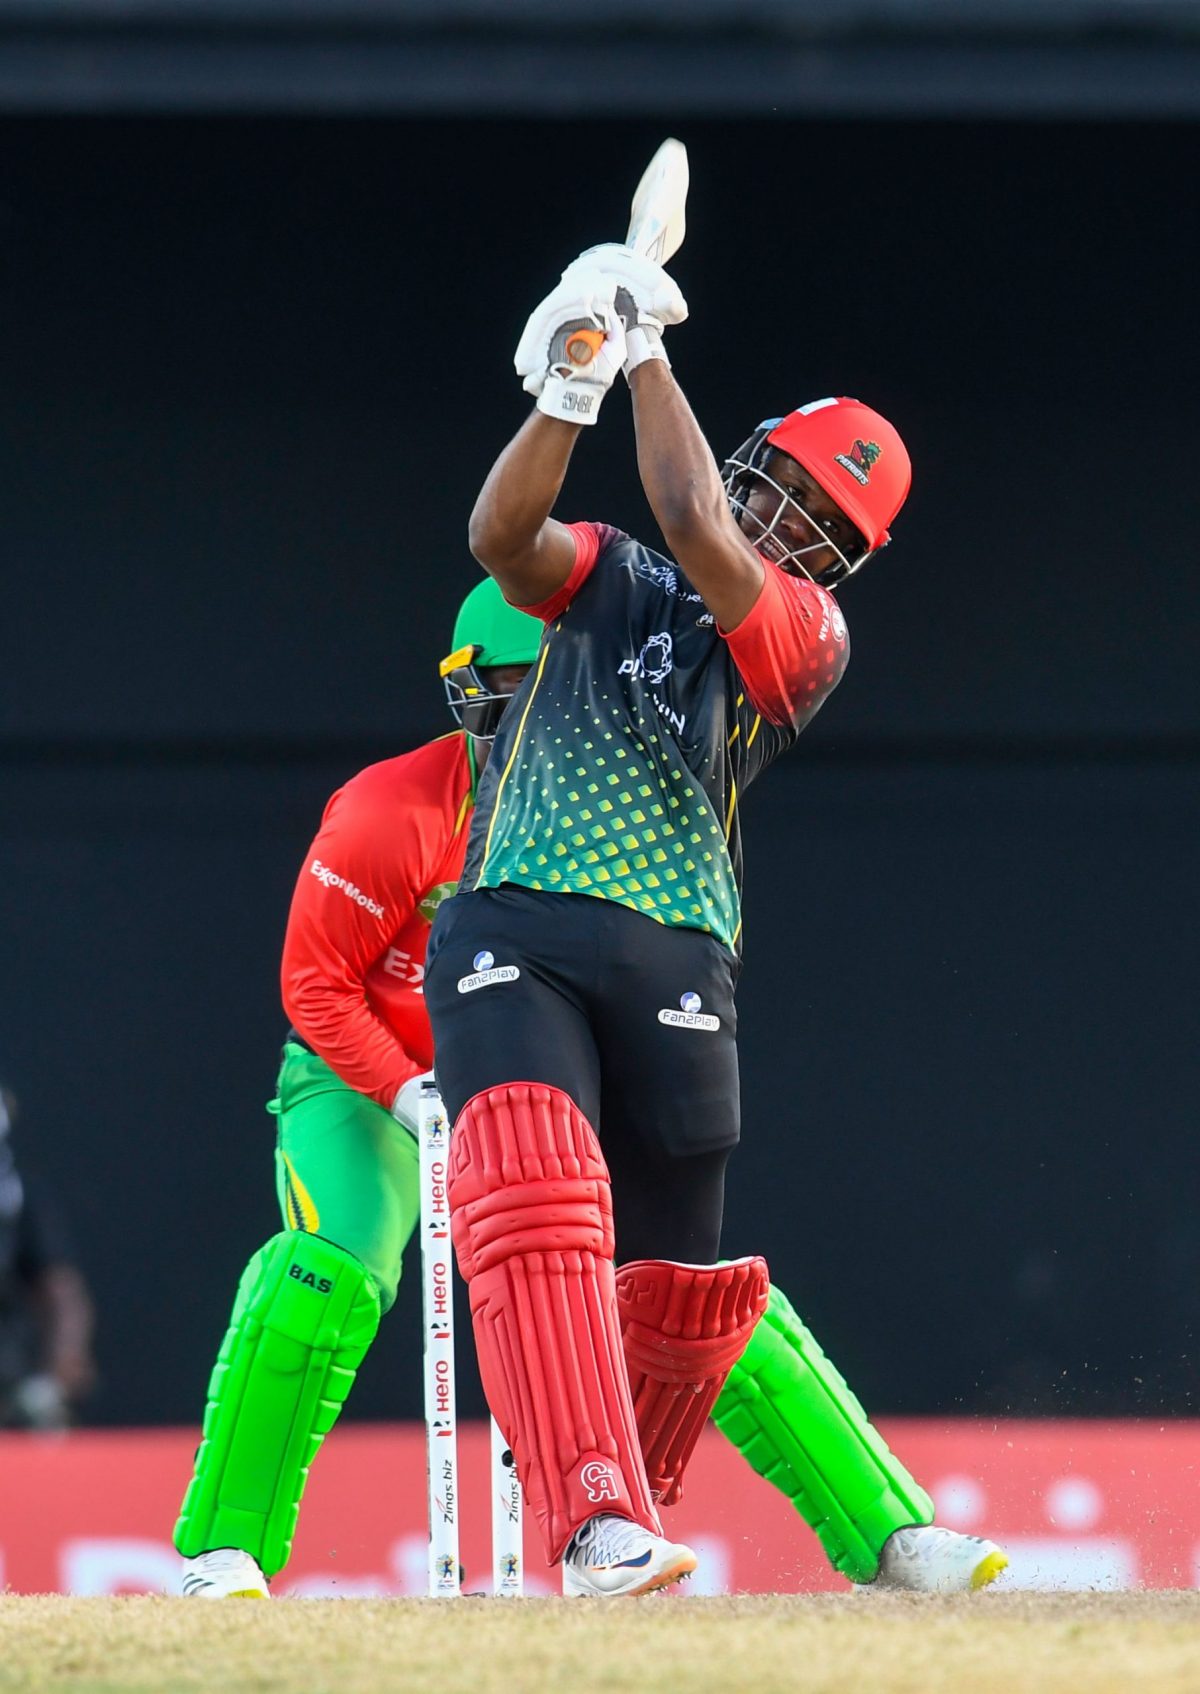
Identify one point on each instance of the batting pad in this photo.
(531, 1213)
(305, 1314)
(787, 1411)
(684, 1327)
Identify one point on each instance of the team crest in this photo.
(860, 460)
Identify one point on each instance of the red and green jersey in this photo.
(389, 850)
(619, 764)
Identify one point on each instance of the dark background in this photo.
(253, 372)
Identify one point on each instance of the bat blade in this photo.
(656, 217)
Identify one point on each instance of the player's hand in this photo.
(572, 347)
(647, 298)
(404, 1106)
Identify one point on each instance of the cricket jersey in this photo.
(619, 764)
(389, 850)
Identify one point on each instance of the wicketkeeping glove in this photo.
(404, 1106)
(572, 347)
(646, 297)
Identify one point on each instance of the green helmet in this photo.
(499, 633)
(488, 632)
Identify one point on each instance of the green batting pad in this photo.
(791, 1415)
(305, 1314)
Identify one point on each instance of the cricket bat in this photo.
(656, 227)
(656, 217)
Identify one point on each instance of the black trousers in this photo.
(632, 1019)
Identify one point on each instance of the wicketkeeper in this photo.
(389, 849)
(581, 983)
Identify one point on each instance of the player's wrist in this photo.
(644, 344)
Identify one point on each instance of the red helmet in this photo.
(855, 454)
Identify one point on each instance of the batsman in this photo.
(581, 982)
(389, 850)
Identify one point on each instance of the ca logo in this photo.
(599, 1481)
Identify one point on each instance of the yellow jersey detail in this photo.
(512, 757)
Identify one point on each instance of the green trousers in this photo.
(308, 1308)
(344, 1168)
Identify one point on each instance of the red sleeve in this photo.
(589, 539)
(791, 647)
(354, 892)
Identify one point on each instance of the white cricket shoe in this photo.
(929, 1560)
(224, 1574)
(609, 1555)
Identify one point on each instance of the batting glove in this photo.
(647, 298)
(404, 1106)
(572, 348)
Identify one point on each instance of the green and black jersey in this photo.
(619, 763)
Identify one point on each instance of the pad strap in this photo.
(531, 1212)
(305, 1314)
(684, 1327)
(787, 1410)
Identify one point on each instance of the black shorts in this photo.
(632, 1019)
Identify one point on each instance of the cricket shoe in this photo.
(609, 1555)
(224, 1574)
(929, 1560)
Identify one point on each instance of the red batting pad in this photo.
(531, 1213)
(685, 1327)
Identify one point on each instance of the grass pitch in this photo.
(820, 1644)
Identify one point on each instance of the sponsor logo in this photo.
(662, 576)
(351, 890)
(599, 1480)
(428, 904)
(447, 1505)
(705, 621)
(667, 578)
(443, 1389)
(484, 961)
(309, 1279)
(402, 965)
(860, 460)
(655, 662)
(485, 977)
(572, 402)
(688, 1020)
(677, 720)
(690, 1002)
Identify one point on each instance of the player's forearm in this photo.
(682, 484)
(341, 1028)
(511, 533)
(675, 462)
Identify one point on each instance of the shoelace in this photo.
(607, 1540)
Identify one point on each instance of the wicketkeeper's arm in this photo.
(352, 895)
